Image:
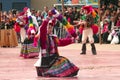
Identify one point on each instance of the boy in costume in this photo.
(88, 28)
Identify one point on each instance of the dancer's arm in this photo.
(65, 41)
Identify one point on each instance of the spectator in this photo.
(45, 12)
(69, 15)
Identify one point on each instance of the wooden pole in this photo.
(0, 16)
(100, 38)
(62, 6)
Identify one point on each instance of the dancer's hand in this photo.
(73, 39)
(77, 38)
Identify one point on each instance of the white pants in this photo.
(87, 33)
(23, 34)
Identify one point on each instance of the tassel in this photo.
(94, 14)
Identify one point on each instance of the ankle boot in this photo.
(93, 49)
(83, 49)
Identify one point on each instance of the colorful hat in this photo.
(25, 9)
(88, 8)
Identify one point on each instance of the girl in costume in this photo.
(51, 64)
(28, 50)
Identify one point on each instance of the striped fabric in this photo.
(62, 68)
(29, 50)
(52, 64)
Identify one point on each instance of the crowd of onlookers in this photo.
(109, 20)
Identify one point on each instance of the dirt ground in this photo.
(103, 66)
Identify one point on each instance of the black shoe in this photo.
(94, 52)
(83, 53)
(83, 49)
(93, 49)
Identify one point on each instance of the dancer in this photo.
(88, 28)
(28, 50)
(51, 64)
(87, 33)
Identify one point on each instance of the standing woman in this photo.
(28, 50)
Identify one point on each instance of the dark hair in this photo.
(89, 20)
(14, 11)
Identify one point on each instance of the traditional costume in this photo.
(88, 28)
(50, 63)
(28, 50)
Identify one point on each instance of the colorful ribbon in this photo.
(69, 28)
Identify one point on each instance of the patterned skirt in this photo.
(62, 67)
(28, 50)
